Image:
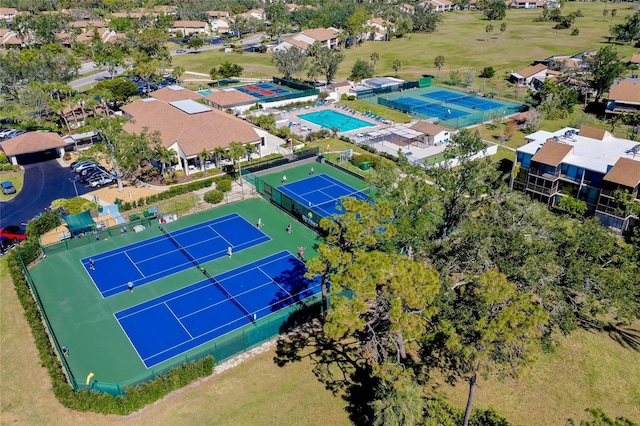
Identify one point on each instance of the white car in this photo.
(100, 180)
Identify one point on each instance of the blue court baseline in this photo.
(176, 322)
(321, 193)
(157, 257)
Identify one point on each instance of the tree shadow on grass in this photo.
(339, 366)
(622, 333)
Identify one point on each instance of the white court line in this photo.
(129, 339)
(134, 264)
(178, 319)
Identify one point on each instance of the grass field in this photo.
(462, 40)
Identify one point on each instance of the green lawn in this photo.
(462, 40)
(588, 370)
(17, 178)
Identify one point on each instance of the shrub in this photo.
(197, 175)
(487, 72)
(6, 167)
(575, 32)
(214, 196)
(344, 97)
(67, 156)
(223, 185)
(3, 158)
(351, 97)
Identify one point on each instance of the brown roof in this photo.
(532, 70)
(174, 93)
(321, 34)
(593, 132)
(208, 130)
(635, 58)
(552, 153)
(32, 142)
(625, 172)
(428, 128)
(189, 24)
(299, 43)
(626, 91)
(8, 11)
(229, 98)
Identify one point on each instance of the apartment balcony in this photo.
(550, 176)
(540, 189)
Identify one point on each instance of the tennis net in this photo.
(206, 274)
(361, 194)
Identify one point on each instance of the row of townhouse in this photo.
(588, 164)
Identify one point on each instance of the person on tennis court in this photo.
(259, 225)
(289, 228)
(65, 351)
(130, 286)
(284, 179)
(229, 251)
(312, 171)
(123, 230)
(92, 265)
(301, 253)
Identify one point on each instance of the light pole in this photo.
(74, 185)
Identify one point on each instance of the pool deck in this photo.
(302, 127)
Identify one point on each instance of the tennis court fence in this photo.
(221, 349)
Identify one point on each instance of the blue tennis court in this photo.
(176, 322)
(428, 108)
(263, 89)
(321, 193)
(469, 101)
(158, 257)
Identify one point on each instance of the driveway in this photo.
(43, 183)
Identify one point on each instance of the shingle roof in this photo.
(532, 70)
(625, 172)
(32, 142)
(189, 24)
(321, 34)
(428, 128)
(174, 93)
(192, 132)
(228, 98)
(626, 91)
(552, 153)
(593, 132)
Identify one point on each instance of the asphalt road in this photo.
(43, 183)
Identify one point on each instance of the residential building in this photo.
(219, 26)
(190, 28)
(9, 39)
(527, 4)
(624, 97)
(408, 8)
(189, 127)
(438, 5)
(432, 134)
(530, 76)
(218, 14)
(8, 13)
(379, 29)
(327, 37)
(635, 59)
(586, 163)
(21, 149)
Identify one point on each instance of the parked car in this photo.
(100, 180)
(91, 173)
(181, 51)
(13, 232)
(5, 132)
(83, 163)
(80, 168)
(8, 188)
(77, 163)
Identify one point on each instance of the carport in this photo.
(33, 147)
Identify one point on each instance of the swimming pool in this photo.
(330, 119)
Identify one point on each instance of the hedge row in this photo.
(170, 193)
(135, 397)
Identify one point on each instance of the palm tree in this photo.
(164, 156)
(220, 153)
(236, 151)
(251, 149)
(203, 157)
(396, 65)
(375, 57)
